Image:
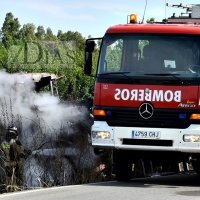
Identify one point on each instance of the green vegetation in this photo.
(151, 20)
(113, 56)
(31, 49)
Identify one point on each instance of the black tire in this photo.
(196, 166)
(174, 167)
(123, 165)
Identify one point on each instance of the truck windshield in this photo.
(142, 54)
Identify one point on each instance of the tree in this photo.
(151, 20)
(49, 35)
(59, 35)
(27, 33)
(40, 34)
(3, 56)
(73, 36)
(10, 29)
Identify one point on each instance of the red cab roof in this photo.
(155, 28)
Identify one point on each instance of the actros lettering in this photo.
(152, 95)
(187, 105)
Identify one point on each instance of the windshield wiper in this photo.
(168, 74)
(123, 73)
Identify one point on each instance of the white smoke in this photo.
(38, 113)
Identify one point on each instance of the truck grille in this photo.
(162, 118)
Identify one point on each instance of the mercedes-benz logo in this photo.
(146, 110)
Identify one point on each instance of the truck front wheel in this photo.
(196, 166)
(123, 165)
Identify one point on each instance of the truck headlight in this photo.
(191, 138)
(101, 134)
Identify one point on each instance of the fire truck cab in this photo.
(147, 92)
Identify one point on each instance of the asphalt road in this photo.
(171, 187)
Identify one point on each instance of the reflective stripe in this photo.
(5, 146)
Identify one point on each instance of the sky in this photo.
(88, 17)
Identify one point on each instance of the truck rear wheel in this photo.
(123, 165)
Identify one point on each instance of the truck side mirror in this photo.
(88, 63)
(89, 46)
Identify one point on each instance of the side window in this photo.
(113, 56)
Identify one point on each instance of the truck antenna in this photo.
(144, 11)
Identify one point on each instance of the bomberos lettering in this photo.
(151, 95)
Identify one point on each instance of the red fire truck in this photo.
(147, 91)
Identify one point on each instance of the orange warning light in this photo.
(133, 18)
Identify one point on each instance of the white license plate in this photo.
(146, 134)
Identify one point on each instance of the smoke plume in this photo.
(37, 115)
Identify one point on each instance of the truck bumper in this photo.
(169, 139)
